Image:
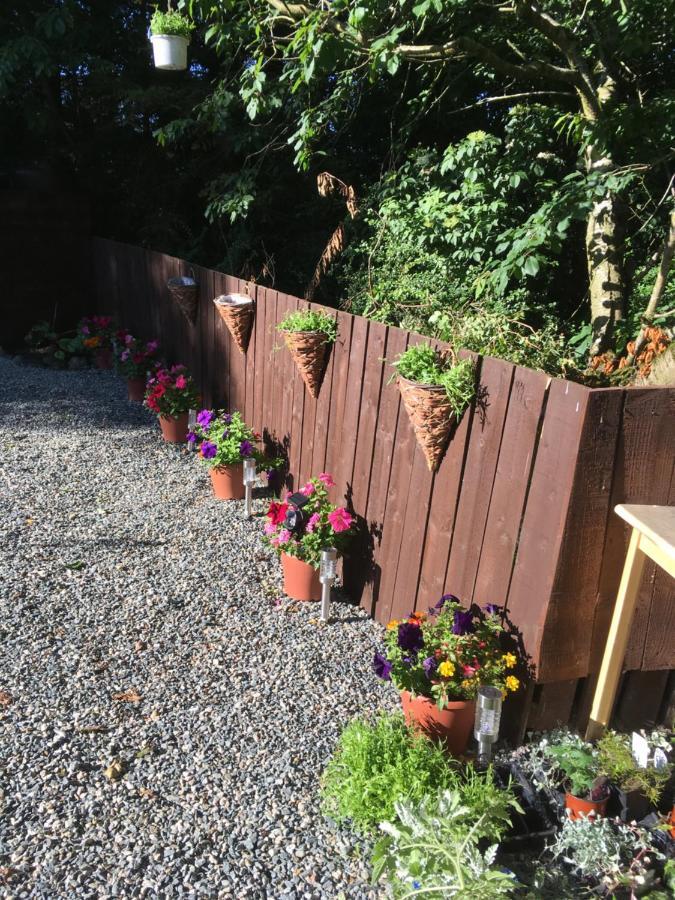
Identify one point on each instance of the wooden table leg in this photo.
(617, 639)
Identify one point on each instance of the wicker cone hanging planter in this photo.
(236, 311)
(308, 349)
(184, 291)
(431, 416)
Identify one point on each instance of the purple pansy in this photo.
(430, 665)
(204, 418)
(382, 667)
(208, 450)
(463, 622)
(410, 637)
(246, 448)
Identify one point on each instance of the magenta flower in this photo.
(204, 418)
(327, 479)
(181, 382)
(313, 522)
(269, 528)
(152, 346)
(128, 339)
(308, 489)
(124, 356)
(284, 536)
(340, 520)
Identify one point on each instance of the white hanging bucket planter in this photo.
(170, 51)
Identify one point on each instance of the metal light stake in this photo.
(192, 421)
(249, 481)
(327, 572)
(486, 725)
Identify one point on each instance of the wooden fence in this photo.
(519, 512)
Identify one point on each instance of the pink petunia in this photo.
(128, 339)
(124, 356)
(340, 520)
(468, 671)
(284, 536)
(152, 346)
(270, 528)
(181, 382)
(308, 489)
(313, 522)
(327, 479)
(85, 329)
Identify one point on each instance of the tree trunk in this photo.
(605, 272)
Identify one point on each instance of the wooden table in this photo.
(653, 536)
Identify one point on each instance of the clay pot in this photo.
(174, 431)
(451, 725)
(309, 350)
(236, 311)
(672, 822)
(301, 581)
(431, 417)
(227, 482)
(136, 389)
(578, 808)
(103, 358)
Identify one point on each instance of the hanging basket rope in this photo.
(236, 311)
(309, 350)
(185, 291)
(431, 416)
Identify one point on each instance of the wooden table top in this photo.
(656, 522)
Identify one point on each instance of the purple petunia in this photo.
(445, 599)
(191, 437)
(227, 419)
(208, 450)
(463, 622)
(382, 667)
(430, 665)
(246, 448)
(410, 637)
(204, 418)
(492, 609)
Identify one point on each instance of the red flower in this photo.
(137, 358)
(277, 513)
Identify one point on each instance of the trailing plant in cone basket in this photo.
(97, 332)
(171, 22)
(304, 526)
(427, 366)
(170, 392)
(310, 321)
(224, 439)
(135, 358)
(308, 335)
(448, 654)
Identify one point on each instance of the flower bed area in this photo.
(165, 714)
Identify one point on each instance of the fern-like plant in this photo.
(423, 364)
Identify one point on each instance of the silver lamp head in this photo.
(249, 471)
(328, 568)
(486, 724)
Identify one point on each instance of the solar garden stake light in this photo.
(192, 421)
(249, 481)
(486, 725)
(327, 572)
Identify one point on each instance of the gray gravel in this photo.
(120, 573)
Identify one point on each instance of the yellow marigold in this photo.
(391, 625)
(512, 683)
(509, 660)
(446, 669)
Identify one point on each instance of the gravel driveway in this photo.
(164, 718)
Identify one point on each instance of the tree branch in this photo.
(505, 97)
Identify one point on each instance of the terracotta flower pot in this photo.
(136, 389)
(309, 350)
(103, 358)
(451, 725)
(578, 808)
(431, 417)
(301, 581)
(672, 822)
(174, 431)
(227, 481)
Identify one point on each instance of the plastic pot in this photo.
(301, 581)
(227, 482)
(578, 808)
(169, 51)
(174, 431)
(452, 725)
(136, 389)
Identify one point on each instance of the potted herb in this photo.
(170, 35)
(135, 359)
(438, 662)
(236, 311)
(299, 528)
(97, 336)
(224, 441)
(637, 788)
(308, 335)
(171, 394)
(586, 789)
(436, 388)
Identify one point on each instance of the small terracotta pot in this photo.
(580, 809)
(451, 725)
(103, 358)
(227, 482)
(136, 389)
(301, 581)
(174, 431)
(672, 822)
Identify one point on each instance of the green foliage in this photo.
(579, 766)
(434, 847)
(310, 320)
(378, 764)
(233, 439)
(426, 365)
(615, 760)
(171, 22)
